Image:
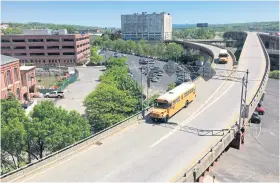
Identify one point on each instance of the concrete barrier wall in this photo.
(58, 156)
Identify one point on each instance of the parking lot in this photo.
(258, 159)
(158, 87)
(76, 92)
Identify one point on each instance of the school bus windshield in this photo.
(161, 105)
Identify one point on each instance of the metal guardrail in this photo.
(234, 128)
(70, 146)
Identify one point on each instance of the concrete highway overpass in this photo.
(164, 152)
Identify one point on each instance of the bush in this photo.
(171, 86)
(274, 74)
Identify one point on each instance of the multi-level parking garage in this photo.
(165, 152)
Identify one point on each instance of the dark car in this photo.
(143, 61)
(255, 118)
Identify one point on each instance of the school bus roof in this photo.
(177, 91)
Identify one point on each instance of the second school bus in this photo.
(171, 102)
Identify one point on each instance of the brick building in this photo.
(21, 81)
(45, 47)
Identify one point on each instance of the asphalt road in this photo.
(258, 160)
(149, 152)
(76, 92)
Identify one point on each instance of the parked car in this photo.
(154, 79)
(129, 74)
(260, 110)
(255, 118)
(151, 61)
(160, 74)
(54, 94)
(142, 61)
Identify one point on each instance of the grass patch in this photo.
(46, 81)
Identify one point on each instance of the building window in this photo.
(20, 54)
(52, 40)
(9, 77)
(35, 40)
(68, 47)
(53, 53)
(36, 54)
(53, 47)
(36, 47)
(5, 41)
(5, 47)
(18, 93)
(16, 73)
(19, 47)
(18, 40)
(68, 53)
(68, 40)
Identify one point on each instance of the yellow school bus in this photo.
(171, 102)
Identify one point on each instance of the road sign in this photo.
(202, 25)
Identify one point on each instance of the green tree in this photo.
(108, 105)
(131, 46)
(171, 86)
(13, 134)
(174, 51)
(112, 61)
(53, 128)
(94, 57)
(120, 45)
(274, 74)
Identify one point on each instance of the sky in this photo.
(108, 14)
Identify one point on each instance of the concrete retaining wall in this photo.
(58, 156)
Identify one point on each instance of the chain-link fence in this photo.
(72, 79)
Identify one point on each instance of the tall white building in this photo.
(156, 26)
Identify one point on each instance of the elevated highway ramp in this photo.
(149, 152)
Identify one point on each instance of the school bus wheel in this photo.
(187, 104)
(166, 119)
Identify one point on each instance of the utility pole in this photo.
(142, 110)
(148, 78)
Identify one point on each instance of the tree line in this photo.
(194, 33)
(171, 51)
(17, 28)
(45, 130)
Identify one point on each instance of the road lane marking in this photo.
(196, 113)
